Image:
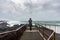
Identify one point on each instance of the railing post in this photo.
(43, 33)
(54, 36)
(54, 33)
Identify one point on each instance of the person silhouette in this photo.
(30, 23)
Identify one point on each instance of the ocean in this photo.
(54, 25)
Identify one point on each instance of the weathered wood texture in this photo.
(46, 33)
(13, 34)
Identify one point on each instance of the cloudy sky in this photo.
(38, 10)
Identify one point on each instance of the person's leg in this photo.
(30, 27)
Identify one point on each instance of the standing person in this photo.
(30, 23)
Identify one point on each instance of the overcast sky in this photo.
(38, 10)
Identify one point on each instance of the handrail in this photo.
(7, 32)
(13, 34)
(41, 33)
(11, 30)
(50, 36)
(42, 36)
(48, 29)
(45, 34)
(45, 27)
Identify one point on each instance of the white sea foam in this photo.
(11, 23)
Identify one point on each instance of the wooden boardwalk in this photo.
(31, 35)
(38, 33)
(23, 32)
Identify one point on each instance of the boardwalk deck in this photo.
(23, 33)
(31, 35)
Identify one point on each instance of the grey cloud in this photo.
(46, 11)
